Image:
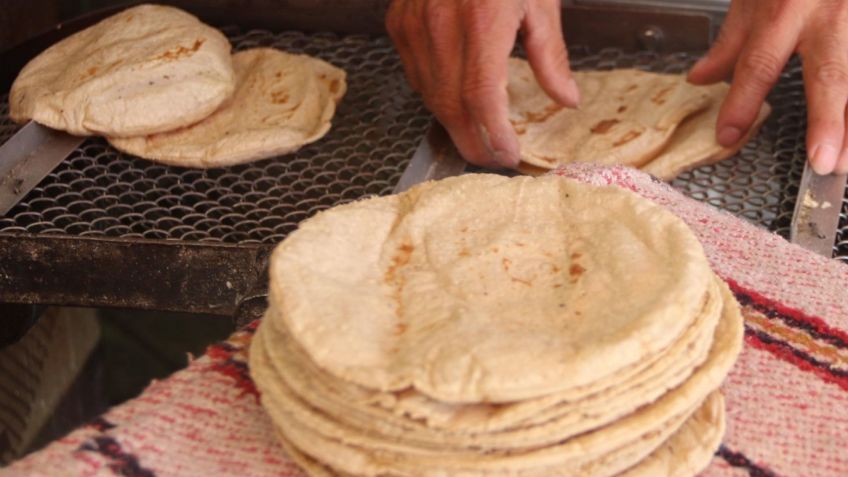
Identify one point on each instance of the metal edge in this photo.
(163, 275)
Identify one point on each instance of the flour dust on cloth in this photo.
(145, 70)
(282, 101)
(657, 122)
(575, 330)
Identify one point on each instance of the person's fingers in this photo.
(419, 44)
(842, 163)
(443, 92)
(490, 29)
(825, 67)
(757, 70)
(546, 52)
(396, 21)
(718, 63)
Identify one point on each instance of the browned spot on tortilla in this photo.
(660, 97)
(506, 263)
(558, 285)
(181, 51)
(520, 130)
(519, 244)
(92, 71)
(464, 253)
(555, 269)
(575, 255)
(521, 281)
(334, 86)
(550, 110)
(495, 249)
(576, 270)
(279, 97)
(631, 87)
(549, 160)
(622, 108)
(631, 135)
(604, 126)
(278, 74)
(400, 328)
(400, 259)
(464, 229)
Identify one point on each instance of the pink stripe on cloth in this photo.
(784, 419)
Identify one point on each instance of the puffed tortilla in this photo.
(148, 69)
(282, 101)
(389, 292)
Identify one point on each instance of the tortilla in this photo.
(521, 424)
(625, 117)
(145, 70)
(459, 302)
(281, 102)
(694, 143)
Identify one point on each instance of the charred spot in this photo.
(279, 97)
(550, 110)
(622, 108)
(660, 97)
(576, 270)
(334, 86)
(631, 135)
(604, 126)
(181, 51)
(632, 87)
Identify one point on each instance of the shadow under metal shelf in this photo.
(106, 229)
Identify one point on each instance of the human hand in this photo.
(756, 41)
(455, 53)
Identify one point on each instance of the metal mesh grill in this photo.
(100, 191)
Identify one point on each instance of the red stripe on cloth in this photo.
(784, 418)
(784, 351)
(817, 323)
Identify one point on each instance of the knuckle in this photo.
(831, 73)
(476, 93)
(761, 67)
(437, 18)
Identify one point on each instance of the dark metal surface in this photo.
(150, 274)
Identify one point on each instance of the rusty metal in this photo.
(144, 274)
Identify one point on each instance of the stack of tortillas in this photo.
(492, 326)
(162, 85)
(656, 122)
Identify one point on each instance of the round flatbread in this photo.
(281, 102)
(145, 70)
(558, 286)
(694, 143)
(625, 116)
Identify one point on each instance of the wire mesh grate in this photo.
(99, 191)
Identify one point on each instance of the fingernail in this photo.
(729, 135)
(506, 159)
(572, 93)
(823, 158)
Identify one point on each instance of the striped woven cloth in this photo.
(787, 396)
